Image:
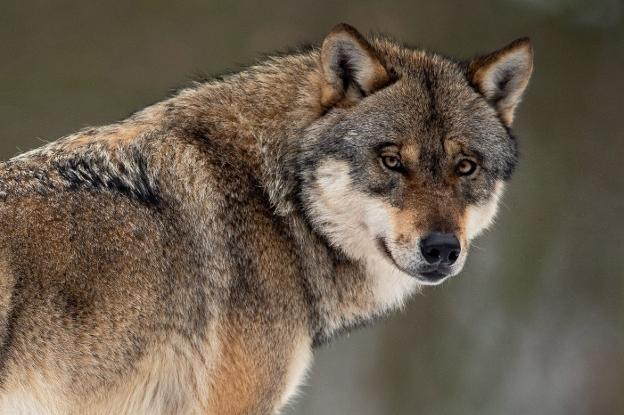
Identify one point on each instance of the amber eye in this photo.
(391, 162)
(465, 167)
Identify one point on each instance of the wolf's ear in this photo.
(351, 68)
(502, 76)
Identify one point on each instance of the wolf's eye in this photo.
(391, 162)
(465, 167)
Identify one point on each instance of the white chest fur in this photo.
(300, 361)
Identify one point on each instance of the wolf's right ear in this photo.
(351, 68)
(502, 76)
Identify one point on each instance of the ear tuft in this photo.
(351, 67)
(502, 76)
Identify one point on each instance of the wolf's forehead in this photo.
(421, 109)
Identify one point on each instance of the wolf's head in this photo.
(410, 158)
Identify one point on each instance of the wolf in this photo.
(188, 259)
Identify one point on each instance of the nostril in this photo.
(434, 253)
(453, 255)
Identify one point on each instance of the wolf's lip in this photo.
(434, 275)
(383, 247)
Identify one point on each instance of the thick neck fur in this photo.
(259, 115)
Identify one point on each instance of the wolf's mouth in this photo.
(383, 247)
(428, 276)
(435, 275)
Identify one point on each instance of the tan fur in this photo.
(239, 375)
(110, 137)
(411, 153)
(370, 72)
(170, 380)
(518, 54)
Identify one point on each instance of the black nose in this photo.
(440, 248)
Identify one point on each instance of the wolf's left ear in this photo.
(502, 76)
(351, 67)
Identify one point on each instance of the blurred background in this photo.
(535, 324)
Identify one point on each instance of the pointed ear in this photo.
(502, 76)
(350, 67)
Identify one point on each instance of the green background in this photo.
(535, 323)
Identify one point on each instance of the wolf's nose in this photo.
(440, 248)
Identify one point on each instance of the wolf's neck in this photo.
(262, 111)
(344, 293)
